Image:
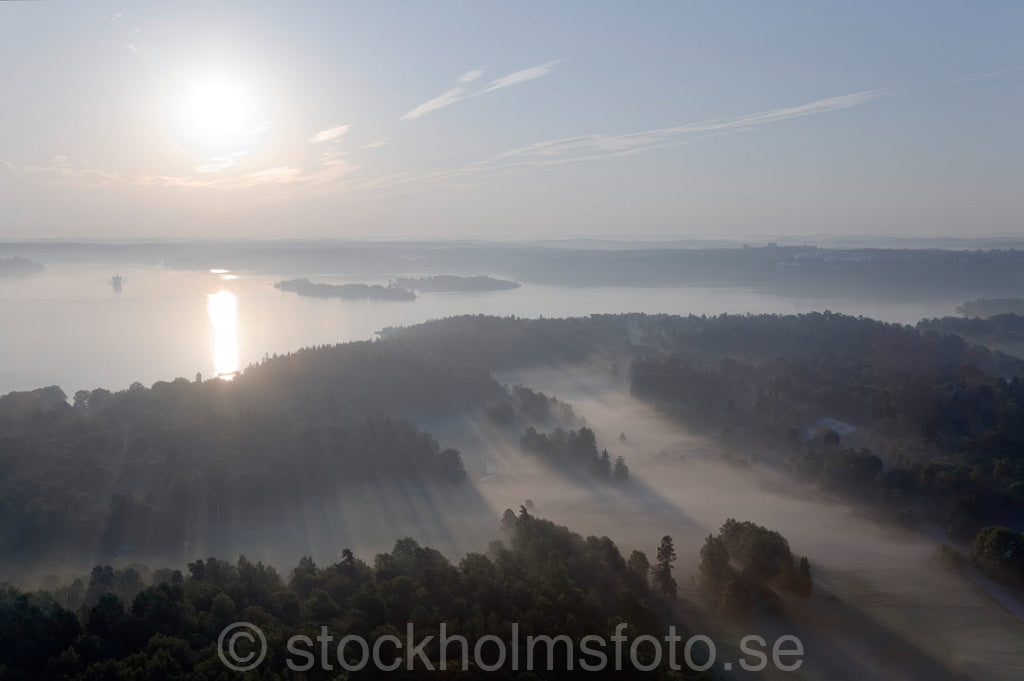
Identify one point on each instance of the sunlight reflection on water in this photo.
(223, 310)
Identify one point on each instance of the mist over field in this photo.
(885, 609)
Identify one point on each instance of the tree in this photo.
(714, 564)
(999, 552)
(736, 598)
(81, 399)
(664, 582)
(305, 578)
(639, 564)
(803, 580)
(763, 554)
(106, 617)
(620, 473)
(508, 520)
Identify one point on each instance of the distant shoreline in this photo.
(451, 283)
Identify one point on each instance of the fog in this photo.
(881, 608)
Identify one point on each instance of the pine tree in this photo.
(621, 471)
(664, 583)
(639, 564)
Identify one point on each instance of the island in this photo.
(304, 287)
(449, 283)
(984, 308)
(19, 267)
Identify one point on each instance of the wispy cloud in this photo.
(330, 134)
(592, 147)
(977, 77)
(217, 163)
(439, 102)
(278, 175)
(459, 92)
(376, 145)
(518, 77)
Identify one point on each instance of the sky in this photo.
(526, 120)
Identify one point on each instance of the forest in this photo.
(133, 623)
(575, 451)
(1002, 332)
(140, 470)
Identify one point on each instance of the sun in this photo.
(218, 108)
(217, 116)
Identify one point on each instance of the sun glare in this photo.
(219, 116)
(218, 108)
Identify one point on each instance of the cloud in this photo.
(328, 175)
(531, 73)
(457, 92)
(977, 77)
(439, 102)
(278, 175)
(376, 145)
(589, 147)
(329, 134)
(217, 163)
(592, 147)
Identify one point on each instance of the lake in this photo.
(67, 327)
